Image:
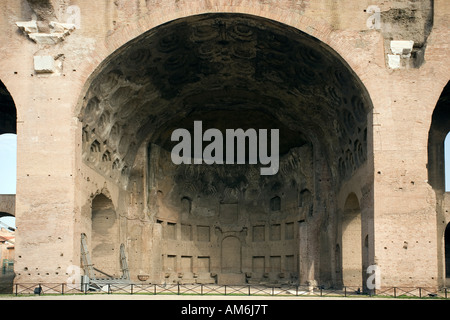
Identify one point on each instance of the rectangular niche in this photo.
(171, 231)
(290, 263)
(228, 213)
(186, 232)
(203, 264)
(203, 233)
(275, 264)
(259, 233)
(258, 264)
(186, 264)
(289, 231)
(275, 232)
(170, 263)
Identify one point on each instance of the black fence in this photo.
(23, 289)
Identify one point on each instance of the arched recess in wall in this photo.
(105, 237)
(231, 255)
(447, 162)
(447, 254)
(230, 71)
(440, 127)
(352, 251)
(8, 111)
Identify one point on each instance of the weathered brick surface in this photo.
(406, 238)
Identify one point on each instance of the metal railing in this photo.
(21, 289)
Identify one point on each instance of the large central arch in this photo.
(229, 71)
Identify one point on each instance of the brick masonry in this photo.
(406, 236)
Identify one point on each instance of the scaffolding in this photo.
(90, 280)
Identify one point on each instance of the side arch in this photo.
(8, 113)
(447, 254)
(8, 130)
(105, 236)
(440, 127)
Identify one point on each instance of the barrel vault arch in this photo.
(125, 39)
(319, 29)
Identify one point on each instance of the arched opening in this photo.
(105, 238)
(8, 112)
(447, 162)
(352, 268)
(7, 252)
(447, 254)
(7, 221)
(439, 129)
(228, 72)
(231, 255)
(438, 167)
(8, 160)
(231, 261)
(8, 156)
(275, 203)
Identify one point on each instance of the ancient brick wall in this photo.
(54, 51)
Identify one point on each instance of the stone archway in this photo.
(8, 130)
(104, 237)
(228, 71)
(447, 253)
(8, 113)
(439, 128)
